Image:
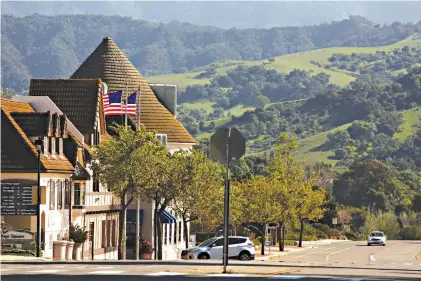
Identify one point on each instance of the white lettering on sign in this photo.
(14, 235)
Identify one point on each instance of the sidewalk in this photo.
(9, 257)
(274, 252)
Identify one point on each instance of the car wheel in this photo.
(203, 257)
(384, 244)
(244, 256)
(368, 244)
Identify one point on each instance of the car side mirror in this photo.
(213, 245)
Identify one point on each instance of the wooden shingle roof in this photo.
(110, 64)
(8, 107)
(79, 99)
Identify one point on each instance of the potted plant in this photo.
(59, 249)
(145, 249)
(78, 235)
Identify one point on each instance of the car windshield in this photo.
(376, 234)
(208, 242)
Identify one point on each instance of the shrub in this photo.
(21, 252)
(410, 233)
(77, 234)
(145, 247)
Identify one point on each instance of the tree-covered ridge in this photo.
(42, 46)
(257, 86)
(376, 106)
(384, 66)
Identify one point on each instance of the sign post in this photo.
(225, 145)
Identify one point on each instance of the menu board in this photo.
(16, 199)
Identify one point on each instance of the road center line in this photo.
(337, 252)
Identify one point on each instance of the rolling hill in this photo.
(285, 64)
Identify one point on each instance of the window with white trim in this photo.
(52, 194)
(162, 138)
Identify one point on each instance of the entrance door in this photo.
(91, 239)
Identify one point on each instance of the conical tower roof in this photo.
(110, 64)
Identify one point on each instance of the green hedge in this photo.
(20, 252)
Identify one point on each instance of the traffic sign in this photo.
(236, 144)
(226, 145)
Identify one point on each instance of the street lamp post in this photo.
(40, 146)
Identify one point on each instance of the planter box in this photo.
(59, 250)
(145, 256)
(77, 251)
(69, 250)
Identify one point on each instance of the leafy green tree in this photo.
(368, 183)
(200, 179)
(130, 165)
(360, 130)
(262, 100)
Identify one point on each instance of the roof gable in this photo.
(17, 142)
(79, 99)
(109, 63)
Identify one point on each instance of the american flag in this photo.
(114, 104)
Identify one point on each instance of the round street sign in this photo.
(218, 144)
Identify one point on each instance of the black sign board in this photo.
(16, 199)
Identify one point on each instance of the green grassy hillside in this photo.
(285, 64)
(309, 152)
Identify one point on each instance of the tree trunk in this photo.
(281, 236)
(122, 218)
(263, 245)
(186, 232)
(300, 242)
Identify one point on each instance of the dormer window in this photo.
(162, 138)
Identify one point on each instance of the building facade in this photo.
(73, 193)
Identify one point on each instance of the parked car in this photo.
(376, 238)
(239, 248)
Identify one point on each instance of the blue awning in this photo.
(166, 217)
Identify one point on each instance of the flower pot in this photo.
(146, 256)
(77, 251)
(69, 250)
(59, 250)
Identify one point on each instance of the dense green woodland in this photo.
(54, 46)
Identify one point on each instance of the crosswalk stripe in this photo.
(165, 273)
(48, 271)
(106, 272)
(5, 269)
(346, 279)
(407, 263)
(227, 275)
(290, 277)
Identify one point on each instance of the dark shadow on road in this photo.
(52, 277)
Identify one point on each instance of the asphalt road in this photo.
(399, 260)
(396, 254)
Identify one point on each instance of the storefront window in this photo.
(52, 188)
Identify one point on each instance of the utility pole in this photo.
(40, 145)
(227, 201)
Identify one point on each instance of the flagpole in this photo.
(127, 97)
(138, 198)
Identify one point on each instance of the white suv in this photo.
(239, 247)
(376, 237)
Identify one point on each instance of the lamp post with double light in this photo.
(40, 147)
